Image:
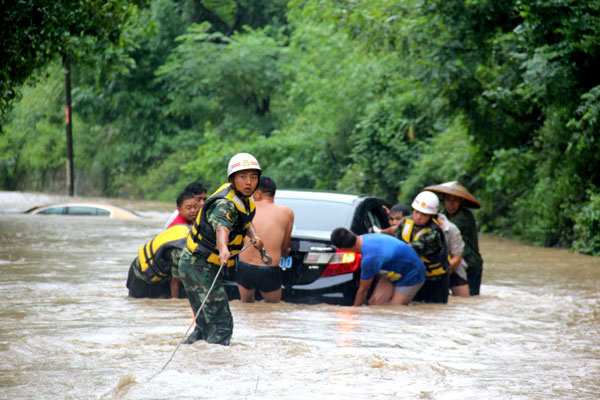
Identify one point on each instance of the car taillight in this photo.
(342, 262)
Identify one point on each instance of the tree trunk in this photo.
(70, 188)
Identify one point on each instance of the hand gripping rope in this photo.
(264, 257)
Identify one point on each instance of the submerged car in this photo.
(83, 209)
(316, 271)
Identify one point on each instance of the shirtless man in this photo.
(273, 224)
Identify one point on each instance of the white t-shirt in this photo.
(455, 243)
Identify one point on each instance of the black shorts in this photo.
(265, 279)
(140, 289)
(435, 290)
(456, 280)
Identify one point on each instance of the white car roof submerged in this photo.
(322, 196)
(318, 196)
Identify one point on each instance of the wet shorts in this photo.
(456, 280)
(265, 279)
(138, 288)
(409, 290)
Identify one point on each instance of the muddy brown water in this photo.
(69, 331)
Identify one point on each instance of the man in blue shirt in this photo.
(399, 269)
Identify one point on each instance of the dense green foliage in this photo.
(34, 32)
(379, 96)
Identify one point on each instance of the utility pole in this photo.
(70, 188)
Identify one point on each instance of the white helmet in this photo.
(427, 202)
(240, 162)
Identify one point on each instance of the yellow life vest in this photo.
(202, 240)
(436, 264)
(153, 266)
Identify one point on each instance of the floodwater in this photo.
(69, 331)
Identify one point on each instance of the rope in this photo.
(200, 309)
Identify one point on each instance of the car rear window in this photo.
(318, 215)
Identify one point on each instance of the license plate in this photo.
(285, 263)
(318, 258)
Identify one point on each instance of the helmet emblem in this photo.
(246, 163)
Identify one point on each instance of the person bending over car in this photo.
(273, 223)
(399, 271)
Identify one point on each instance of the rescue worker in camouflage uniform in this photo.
(216, 237)
(423, 233)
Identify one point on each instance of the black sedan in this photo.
(315, 271)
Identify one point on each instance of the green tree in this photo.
(155, 128)
(225, 87)
(378, 96)
(32, 147)
(519, 73)
(34, 32)
(331, 83)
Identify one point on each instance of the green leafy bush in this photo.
(587, 226)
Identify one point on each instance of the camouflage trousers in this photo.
(215, 322)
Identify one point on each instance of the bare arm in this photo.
(455, 261)
(286, 246)
(222, 239)
(361, 293)
(258, 243)
(389, 230)
(175, 287)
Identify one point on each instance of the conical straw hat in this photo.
(456, 189)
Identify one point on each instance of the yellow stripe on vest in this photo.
(147, 252)
(407, 235)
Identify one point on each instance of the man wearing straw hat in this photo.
(457, 201)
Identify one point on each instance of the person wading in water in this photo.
(217, 235)
(457, 201)
(274, 222)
